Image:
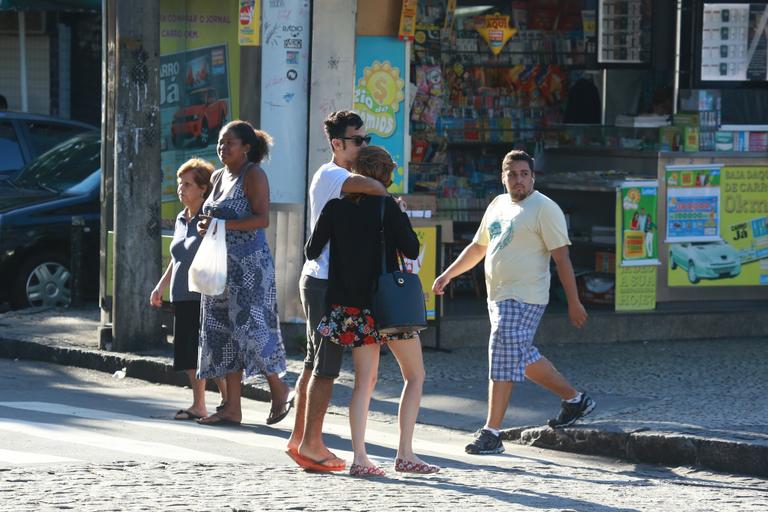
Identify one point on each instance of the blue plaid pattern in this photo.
(513, 325)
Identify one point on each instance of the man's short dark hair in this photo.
(517, 155)
(3, 103)
(337, 122)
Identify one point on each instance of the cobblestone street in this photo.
(81, 440)
(523, 481)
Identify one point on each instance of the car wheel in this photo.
(203, 139)
(43, 280)
(692, 277)
(672, 263)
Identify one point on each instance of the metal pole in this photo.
(108, 76)
(603, 96)
(676, 82)
(23, 63)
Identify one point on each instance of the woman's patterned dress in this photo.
(240, 329)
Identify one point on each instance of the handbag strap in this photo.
(398, 257)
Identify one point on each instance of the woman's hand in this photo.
(202, 225)
(156, 298)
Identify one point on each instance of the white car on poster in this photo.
(705, 260)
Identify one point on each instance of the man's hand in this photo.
(156, 298)
(438, 287)
(577, 314)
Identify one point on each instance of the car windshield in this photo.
(64, 166)
(198, 97)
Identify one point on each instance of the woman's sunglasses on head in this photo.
(357, 139)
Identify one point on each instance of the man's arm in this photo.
(357, 184)
(576, 311)
(469, 257)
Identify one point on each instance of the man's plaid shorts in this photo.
(510, 350)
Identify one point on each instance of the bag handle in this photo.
(398, 257)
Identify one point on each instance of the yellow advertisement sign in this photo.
(249, 26)
(426, 266)
(496, 32)
(199, 84)
(635, 286)
(740, 257)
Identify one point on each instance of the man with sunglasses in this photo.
(346, 135)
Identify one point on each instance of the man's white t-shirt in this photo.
(326, 185)
(519, 237)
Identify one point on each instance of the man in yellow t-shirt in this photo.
(519, 232)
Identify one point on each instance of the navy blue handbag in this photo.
(398, 300)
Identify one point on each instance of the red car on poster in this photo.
(200, 119)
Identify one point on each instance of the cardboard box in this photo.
(723, 141)
(671, 138)
(741, 141)
(699, 99)
(690, 138)
(686, 118)
(421, 202)
(446, 227)
(758, 141)
(605, 262)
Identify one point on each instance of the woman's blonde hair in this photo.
(375, 162)
(201, 173)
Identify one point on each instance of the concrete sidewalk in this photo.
(693, 403)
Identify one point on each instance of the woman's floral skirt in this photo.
(353, 327)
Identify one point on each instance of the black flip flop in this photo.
(220, 421)
(286, 407)
(189, 416)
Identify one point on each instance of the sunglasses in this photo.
(357, 139)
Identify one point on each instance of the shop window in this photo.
(10, 152)
(34, 22)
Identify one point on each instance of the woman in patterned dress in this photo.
(240, 331)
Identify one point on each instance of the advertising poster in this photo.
(734, 41)
(380, 98)
(426, 265)
(740, 256)
(286, 38)
(199, 77)
(249, 23)
(693, 203)
(639, 244)
(624, 31)
(635, 286)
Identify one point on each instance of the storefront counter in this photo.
(632, 161)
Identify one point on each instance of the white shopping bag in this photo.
(208, 272)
